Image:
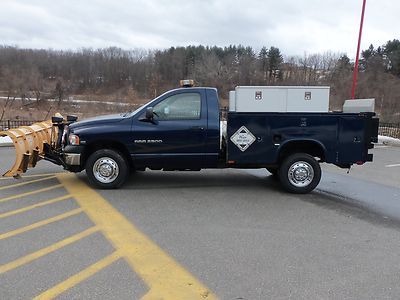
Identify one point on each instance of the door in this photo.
(176, 138)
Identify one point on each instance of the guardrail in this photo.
(390, 129)
(9, 124)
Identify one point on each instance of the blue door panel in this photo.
(176, 144)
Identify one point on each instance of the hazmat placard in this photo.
(243, 138)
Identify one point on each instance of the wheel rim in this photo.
(105, 170)
(301, 174)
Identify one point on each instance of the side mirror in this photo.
(149, 113)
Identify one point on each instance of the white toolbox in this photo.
(279, 99)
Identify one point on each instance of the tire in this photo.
(107, 169)
(299, 173)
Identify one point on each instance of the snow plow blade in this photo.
(29, 143)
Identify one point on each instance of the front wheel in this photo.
(300, 173)
(107, 169)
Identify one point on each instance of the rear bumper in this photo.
(371, 134)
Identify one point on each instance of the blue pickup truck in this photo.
(182, 130)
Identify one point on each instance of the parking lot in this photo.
(229, 234)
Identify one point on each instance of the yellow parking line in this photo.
(26, 208)
(30, 193)
(25, 183)
(42, 252)
(164, 276)
(29, 176)
(79, 277)
(40, 223)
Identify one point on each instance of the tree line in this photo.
(43, 74)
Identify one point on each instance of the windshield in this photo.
(132, 113)
(149, 104)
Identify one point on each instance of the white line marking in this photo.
(391, 166)
(29, 176)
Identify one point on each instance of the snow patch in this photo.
(387, 140)
(75, 101)
(5, 140)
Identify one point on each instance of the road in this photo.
(228, 234)
(374, 186)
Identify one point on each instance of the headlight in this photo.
(73, 139)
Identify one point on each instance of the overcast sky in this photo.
(294, 26)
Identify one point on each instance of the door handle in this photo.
(197, 128)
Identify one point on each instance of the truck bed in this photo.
(339, 138)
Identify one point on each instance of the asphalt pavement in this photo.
(228, 234)
(374, 186)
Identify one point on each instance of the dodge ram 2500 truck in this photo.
(182, 130)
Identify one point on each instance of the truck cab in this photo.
(177, 131)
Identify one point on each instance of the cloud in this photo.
(294, 26)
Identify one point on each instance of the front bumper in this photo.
(72, 159)
(72, 155)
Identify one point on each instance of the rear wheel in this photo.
(107, 169)
(300, 173)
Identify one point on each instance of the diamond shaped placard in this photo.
(243, 138)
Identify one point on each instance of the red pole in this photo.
(355, 72)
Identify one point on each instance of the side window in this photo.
(179, 107)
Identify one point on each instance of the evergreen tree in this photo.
(275, 60)
(392, 51)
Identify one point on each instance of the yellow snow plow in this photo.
(32, 143)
